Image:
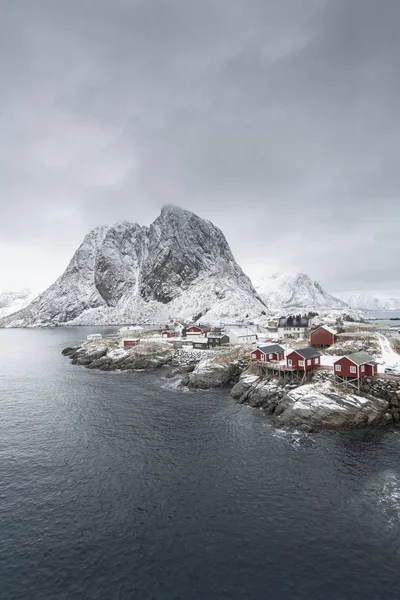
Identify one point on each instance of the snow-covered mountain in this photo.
(290, 292)
(12, 301)
(371, 301)
(179, 266)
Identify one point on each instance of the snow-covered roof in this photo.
(241, 331)
(271, 349)
(216, 334)
(328, 329)
(303, 322)
(307, 352)
(361, 358)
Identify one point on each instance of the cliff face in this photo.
(180, 266)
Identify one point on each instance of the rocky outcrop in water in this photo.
(105, 357)
(387, 389)
(258, 392)
(314, 407)
(319, 405)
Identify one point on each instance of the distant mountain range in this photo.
(294, 292)
(371, 302)
(181, 266)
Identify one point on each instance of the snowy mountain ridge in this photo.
(294, 292)
(371, 301)
(180, 266)
(12, 301)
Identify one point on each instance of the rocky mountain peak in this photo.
(294, 291)
(179, 265)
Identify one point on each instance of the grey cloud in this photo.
(276, 120)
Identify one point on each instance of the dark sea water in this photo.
(113, 486)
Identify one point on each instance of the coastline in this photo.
(319, 404)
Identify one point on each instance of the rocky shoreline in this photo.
(318, 405)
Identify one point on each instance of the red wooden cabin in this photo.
(305, 359)
(356, 366)
(129, 343)
(194, 330)
(323, 336)
(169, 334)
(272, 352)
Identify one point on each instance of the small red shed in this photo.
(169, 334)
(305, 359)
(356, 366)
(129, 343)
(272, 352)
(323, 336)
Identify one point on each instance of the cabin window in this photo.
(338, 367)
(301, 363)
(309, 361)
(262, 356)
(316, 361)
(271, 356)
(289, 362)
(353, 369)
(254, 355)
(362, 368)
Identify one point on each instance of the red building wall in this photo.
(130, 343)
(322, 337)
(346, 365)
(194, 330)
(309, 363)
(372, 370)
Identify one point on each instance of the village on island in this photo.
(304, 372)
(271, 347)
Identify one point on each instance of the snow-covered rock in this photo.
(106, 356)
(179, 266)
(292, 292)
(217, 369)
(321, 406)
(13, 301)
(371, 301)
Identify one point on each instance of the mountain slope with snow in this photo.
(291, 292)
(179, 266)
(371, 301)
(13, 301)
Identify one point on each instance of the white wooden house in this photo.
(293, 327)
(241, 335)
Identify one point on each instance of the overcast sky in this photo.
(276, 120)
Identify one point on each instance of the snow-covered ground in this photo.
(389, 358)
(13, 301)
